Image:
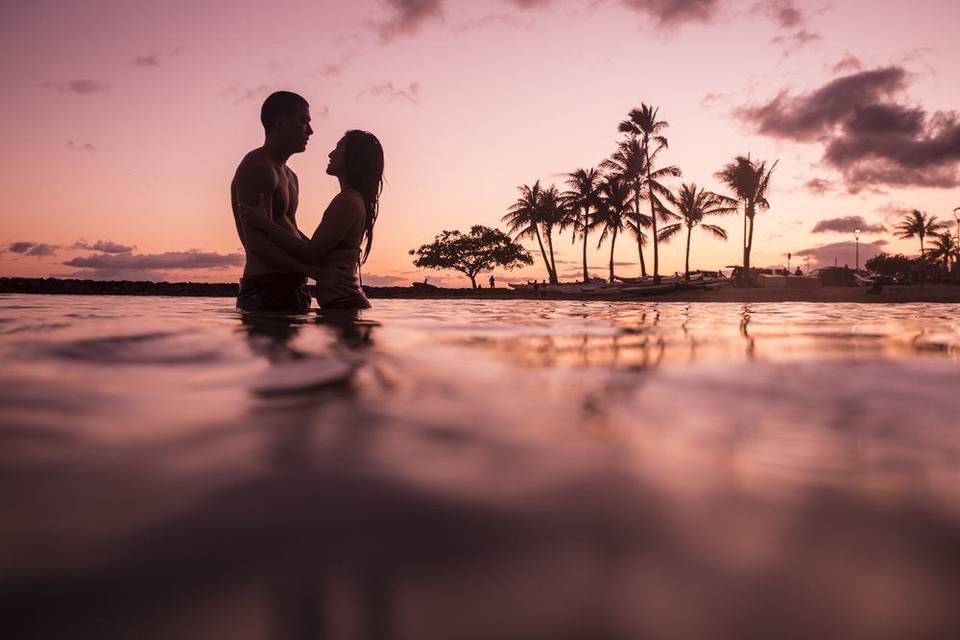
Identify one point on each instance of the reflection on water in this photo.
(478, 469)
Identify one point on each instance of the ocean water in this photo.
(171, 468)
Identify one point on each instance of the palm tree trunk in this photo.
(748, 244)
(921, 245)
(636, 210)
(553, 263)
(613, 243)
(586, 274)
(653, 212)
(686, 266)
(543, 251)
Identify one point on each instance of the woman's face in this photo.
(337, 157)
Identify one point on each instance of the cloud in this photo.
(783, 12)
(35, 249)
(193, 259)
(329, 70)
(710, 99)
(82, 87)
(818, 186)
(507, 19)
(840, 253)
(674, 12)
(795, 41)
(867, 135)
(411, 93)
(893, 212)
(104, 246)
(80, 146)
(246, 94)
(373, 280)
(847, 224)
(152, 60)
(407, 17)
(531, 4)
(847, 63)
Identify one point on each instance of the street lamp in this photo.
(856, 234)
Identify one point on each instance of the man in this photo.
(273, 280)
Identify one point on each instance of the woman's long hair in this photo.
(363, 157)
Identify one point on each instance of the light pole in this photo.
(856, 234)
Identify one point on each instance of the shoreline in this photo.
(930, 293)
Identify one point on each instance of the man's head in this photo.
(286, 120)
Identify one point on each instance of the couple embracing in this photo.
(264, 195)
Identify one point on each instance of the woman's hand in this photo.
(257, 217)
(338, 279)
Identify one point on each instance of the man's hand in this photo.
(338, 279)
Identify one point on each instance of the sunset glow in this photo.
(125, 121)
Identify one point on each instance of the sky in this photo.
(124, 121)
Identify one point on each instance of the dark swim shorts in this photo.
(274, 292)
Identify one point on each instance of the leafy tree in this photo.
(613, 211)
(918, 224)
(750, 182)
(524, 218)
(628, 163)
(582, 200)
(693, 204)
(480, 250)
(643, 123)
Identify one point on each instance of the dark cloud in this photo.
(674, 12)
(410, 93)
(840, 253)
(103, 246)
(35, 249)
(407, 17)
(80, 146)
(867, 135)
(818, 186)
(847, 224)
(82, 87)
(152, 60)
(847, 64)
(193, 259)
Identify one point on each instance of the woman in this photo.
(357, 162)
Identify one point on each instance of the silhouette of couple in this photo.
(264, 195)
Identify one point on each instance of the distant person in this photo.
(275, 280)
(493, 282)
(798, 272)
(345, 234)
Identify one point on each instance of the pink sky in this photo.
(125, 120)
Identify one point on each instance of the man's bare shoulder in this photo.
(256, 173)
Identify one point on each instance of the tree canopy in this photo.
(470, 253)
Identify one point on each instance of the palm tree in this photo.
(524, 217)
(553, 214)
(614, 207)
(943, 248)
(693, 204)
(750, 182)
(642, 123)
(628, 162)
(582, 199)
(918, 224)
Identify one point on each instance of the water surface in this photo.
(479, 469)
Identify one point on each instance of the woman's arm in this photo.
(258, 244)
(345, 212)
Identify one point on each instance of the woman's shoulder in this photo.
(349, 199)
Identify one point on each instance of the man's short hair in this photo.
(280, 104)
